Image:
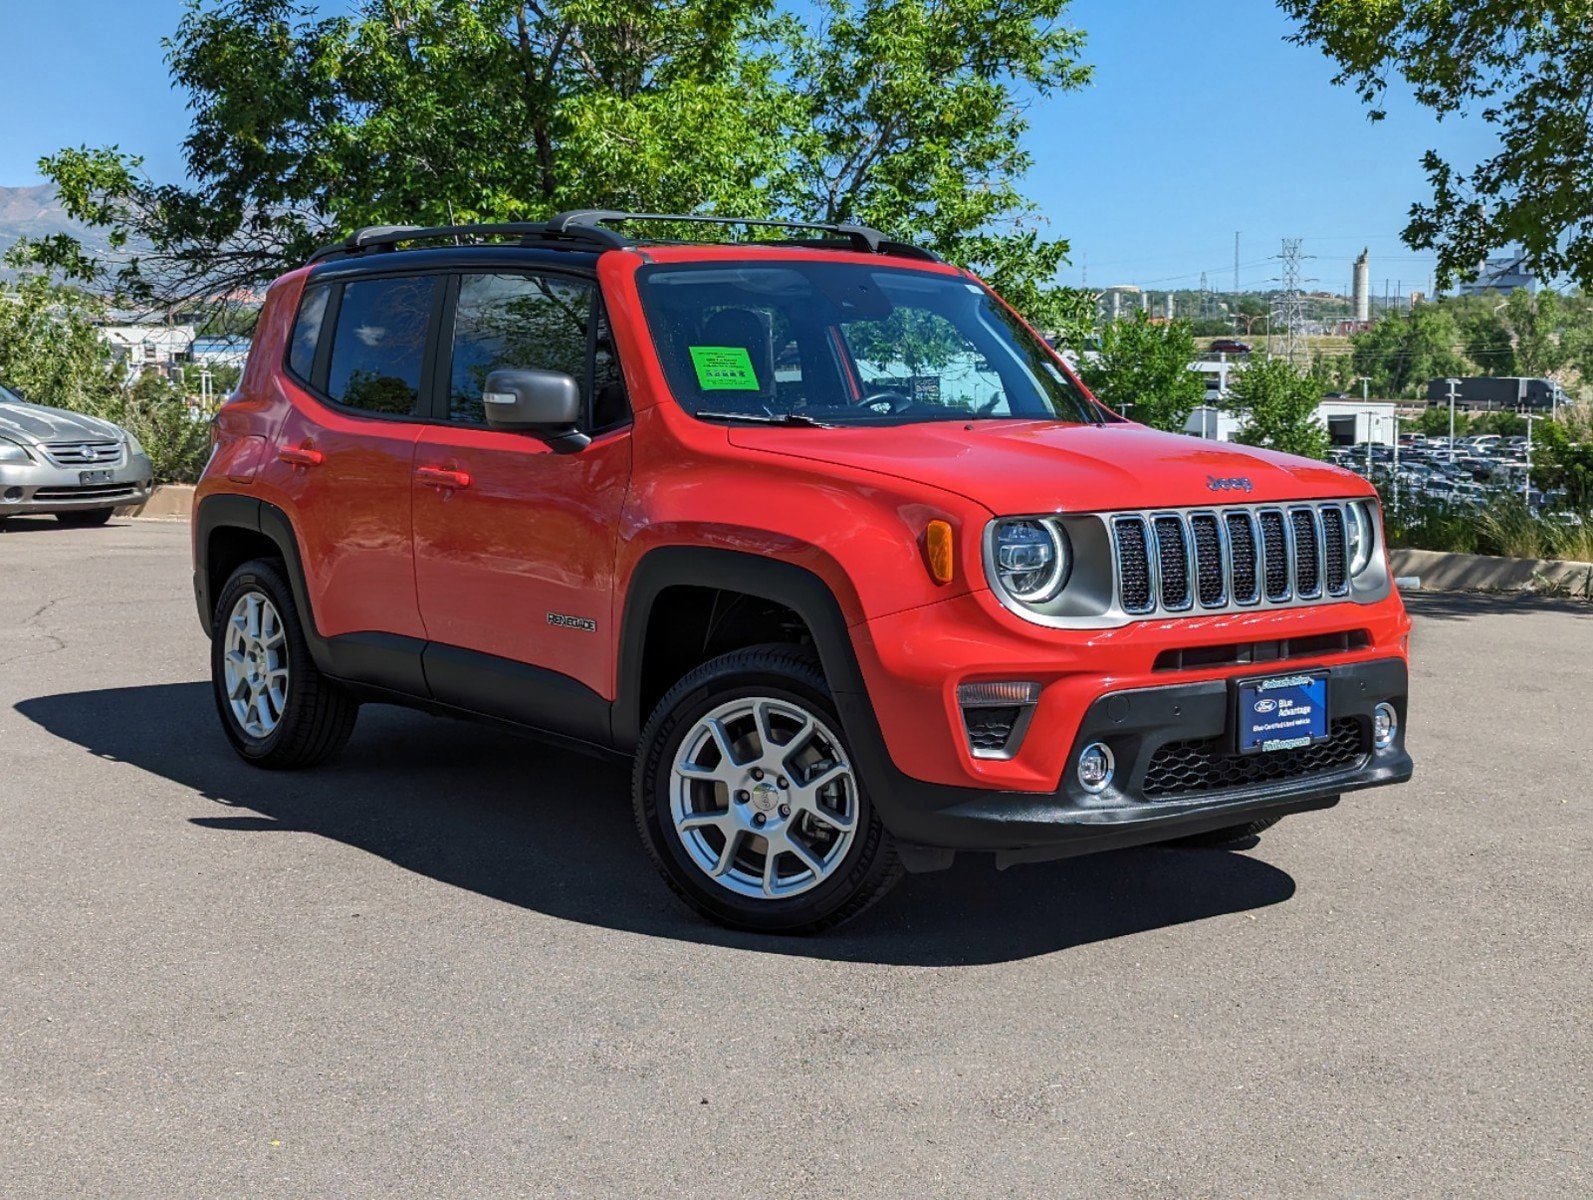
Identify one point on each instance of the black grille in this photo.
(1333, 550)
(1276, 549)
(1307, 568)
(110, 491)
(1242, 543)
(1133, 566)
(990, 728)
(1209, 583)
(1207, 765)
(1173, 559)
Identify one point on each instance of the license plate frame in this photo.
(94, 478)
(1298, 714)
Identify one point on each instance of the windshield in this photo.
(848, 344)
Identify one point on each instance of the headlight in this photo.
(10, 452)
(1360, 536)
(133, 446)
(1030, 559)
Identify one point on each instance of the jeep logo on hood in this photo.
(1234, 483)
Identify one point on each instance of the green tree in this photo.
(905, 114)
(1279, 408)
(1485, 339)
(1536, 321)
(50, 349)
(1143, 372)
(1400, 353)
(1525, 67)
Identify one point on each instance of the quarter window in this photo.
(307, 331)
(380, 344)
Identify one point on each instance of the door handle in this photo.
(438, 478)
(301, 456)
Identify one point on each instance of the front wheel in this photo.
(278, 711)
(748, 800)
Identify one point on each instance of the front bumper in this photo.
(42, 487)
(1176, 775)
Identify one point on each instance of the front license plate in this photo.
(90, 477)
(1284, 712)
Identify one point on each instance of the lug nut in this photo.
(785, 810)
(758, 818)
(742, 797)
(757, 772)
(784, 782)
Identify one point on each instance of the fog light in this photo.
(13, 493)
(1096, 767)
(1385, 725)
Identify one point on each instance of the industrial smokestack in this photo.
(1363, 287)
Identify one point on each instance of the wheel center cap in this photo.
(765, 797)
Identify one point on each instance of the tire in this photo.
(1216, 839)
(85, 518)
(294, 716)
(836, 858)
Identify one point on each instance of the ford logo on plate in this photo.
(1266, 706)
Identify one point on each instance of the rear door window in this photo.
(379, 346)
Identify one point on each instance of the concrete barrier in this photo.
(1442, 572)
(168, 502)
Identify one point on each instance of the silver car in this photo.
(79, 468)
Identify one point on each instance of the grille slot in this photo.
(1335, 568)
(1188, 768)
(83, 454)
(1307, 553)
(1275, 553)
(1172, 558)
(1210, 584)
(1133, 566)
(1242, 546)
(109, 491)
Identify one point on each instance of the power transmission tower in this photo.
(1288, 306)
(1204, 309)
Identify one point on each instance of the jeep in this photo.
(812, 527)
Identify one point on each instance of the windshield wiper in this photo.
(797, 419)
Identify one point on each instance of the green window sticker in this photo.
(724, 368)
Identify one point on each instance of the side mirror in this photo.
(544, 403)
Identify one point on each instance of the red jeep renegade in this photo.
(817, 530)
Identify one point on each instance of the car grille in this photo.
(1175, 562)
(83, 454)
(1209, 765)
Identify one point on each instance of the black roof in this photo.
(585, 230)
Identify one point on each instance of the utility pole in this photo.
(1454, 385)
(1236, 264)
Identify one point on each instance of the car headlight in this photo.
(10, 452)
(1029, 559)
(1360, 537)
(133, 445)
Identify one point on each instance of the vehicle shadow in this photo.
(1464, 606)
(550, 830)
(44, 523)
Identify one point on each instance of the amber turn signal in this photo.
(937, 550)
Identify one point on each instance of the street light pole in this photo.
(1453, 385)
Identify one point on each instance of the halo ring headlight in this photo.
(1030, 558)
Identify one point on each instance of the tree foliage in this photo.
(904, 114)
(1525, 67)
(1403, 351)
(1143, 372)
(1279, 407)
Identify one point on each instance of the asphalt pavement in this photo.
(442, 966)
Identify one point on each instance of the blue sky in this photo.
(1202, 122)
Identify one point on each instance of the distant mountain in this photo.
(33, 212)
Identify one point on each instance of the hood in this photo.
(32, 424)
(1014, 467)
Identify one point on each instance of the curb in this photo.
(1438, 571)
(168, 502)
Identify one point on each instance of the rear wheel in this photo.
(748, 801)
(278, 711)
(1229, 835)
(84, 518)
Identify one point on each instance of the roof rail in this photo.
(583, 229)
(387, 237)
(870, 241)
